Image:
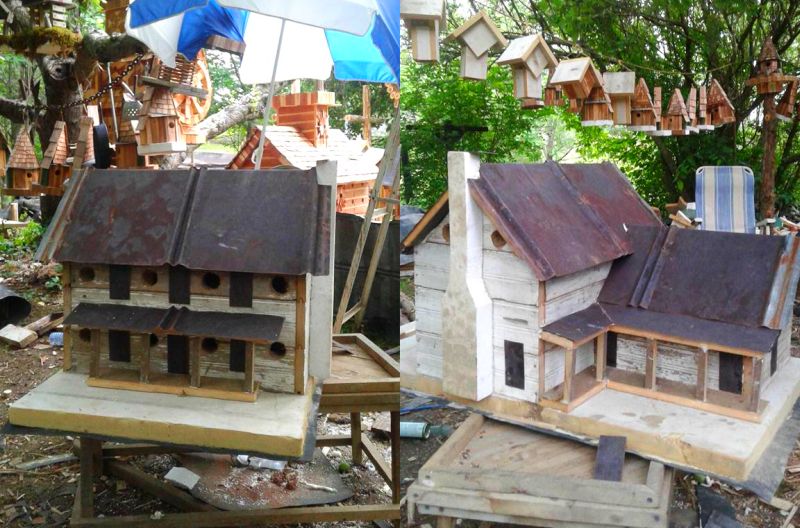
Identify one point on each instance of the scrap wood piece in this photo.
(610, 458)
(46, 323)
(17, 336)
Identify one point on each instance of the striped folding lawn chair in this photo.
(725, 198)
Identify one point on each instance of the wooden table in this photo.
(364, 379)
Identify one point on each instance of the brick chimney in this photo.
(468, 367)
(307, 112)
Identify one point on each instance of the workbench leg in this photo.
(91, 466)
(394, 431)
(355, 438)
(445, 522)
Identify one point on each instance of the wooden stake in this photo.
(249, 367)
(650, 365)
(569, 374)
(701, 390)
(600, 357)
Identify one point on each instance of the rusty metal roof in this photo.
(561, 219)
(270, 221)
(181, 321)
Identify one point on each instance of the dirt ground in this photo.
(44, 497)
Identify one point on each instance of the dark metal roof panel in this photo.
(182, 321)
(271, 221)
(561, 219)
(580, 325)
(758, 340)
(715, 275)
(630, 273)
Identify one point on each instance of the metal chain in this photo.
(102, 91)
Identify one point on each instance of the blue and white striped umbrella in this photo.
(358, 39)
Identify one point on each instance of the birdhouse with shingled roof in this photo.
(528, 58)
(477, 36)
(423, 19)
(23, 166)
(160, 131)
(719, 108)
(676, 117)
(643, 115)
(55, 168)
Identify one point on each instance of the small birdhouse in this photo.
(677, 117)
(114, 11)
(768, 60)
(597, 109)
(786, 107)
(423, 19)
(703, 116)
(691, 107)
(643, 115)
(576, 77)
(84, 147)
(553, 96)
(160, 131)
(769, 79)
(477, 36)
(54, 161)
(49, 13)
(23, 167)
(661, 125)
(620, 87)
(719, 106)
(528, 57)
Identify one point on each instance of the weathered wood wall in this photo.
(272, 372)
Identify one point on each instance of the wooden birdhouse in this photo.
(528, 57)
(620, 87)
(114, 11)
(786, 106)
(423, 19)
(126, 154)
(576, 77)
(768, 60)
(23, 167)
(597, 109)
(477, 36)
(553, 96)
(719, 106)
(691, 107)
(643, 115)
(661, 125)
(676, 117)
(49, 13)
(84, 147)
(54, 162)
(160, 131)
(703, 115)
(769, 80)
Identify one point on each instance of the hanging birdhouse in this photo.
(576, 77)
(553, 96)
(160, 131)
(620, 87)
(597, 109)
(423, 19)
(643, 115)
(785, 110)
(719, 106)
(661, 129)
(528, 57)
(477, 36)
(114, 11)
(49, 13)
(691, 107)
(23, 167)
(84, 148)
(703, 116)
(677, 116)
(54, 162)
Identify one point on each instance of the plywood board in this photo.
(275, 424)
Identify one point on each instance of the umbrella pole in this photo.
(268, 107)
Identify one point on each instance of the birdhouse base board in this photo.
(157, 149)
(661, 133)
(219, 389)
(705, 127)
(19, 192)
(50, 191)
(642, 128)
(275, 425)
(599, 122)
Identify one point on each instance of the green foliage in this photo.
(25, 239)
(53, 284)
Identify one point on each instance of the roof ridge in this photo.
(175, 252)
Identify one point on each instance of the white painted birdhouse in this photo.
(620, 87)
(423, 19)
(576, 77)
(477, 35)
(528, 57)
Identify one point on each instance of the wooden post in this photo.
(540, 368)
(91, 460)
(751, 382)
(569, 374)
(66, 285)
(650, 365)
(300, 337)
(249, 367)
(355, 438)
(769, 132)
(701, 389)
(143, 346)
(600, 357)
(94, 361)
(194, 361)
(394, 428)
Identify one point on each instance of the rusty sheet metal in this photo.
(628, 275)
(180, 321)
(580, 325)
(270, 221)
(781, 300)
(560, 221)
(678, 326)
(715, 275)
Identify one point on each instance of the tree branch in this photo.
(243, 109)
(17, 111)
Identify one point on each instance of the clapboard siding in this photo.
(554, 363)
(431, 271)
(488, 229)
(571, 302)
(508, 278)
(432, 266)
(675, 362)
(429, 354)
(561, 286)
